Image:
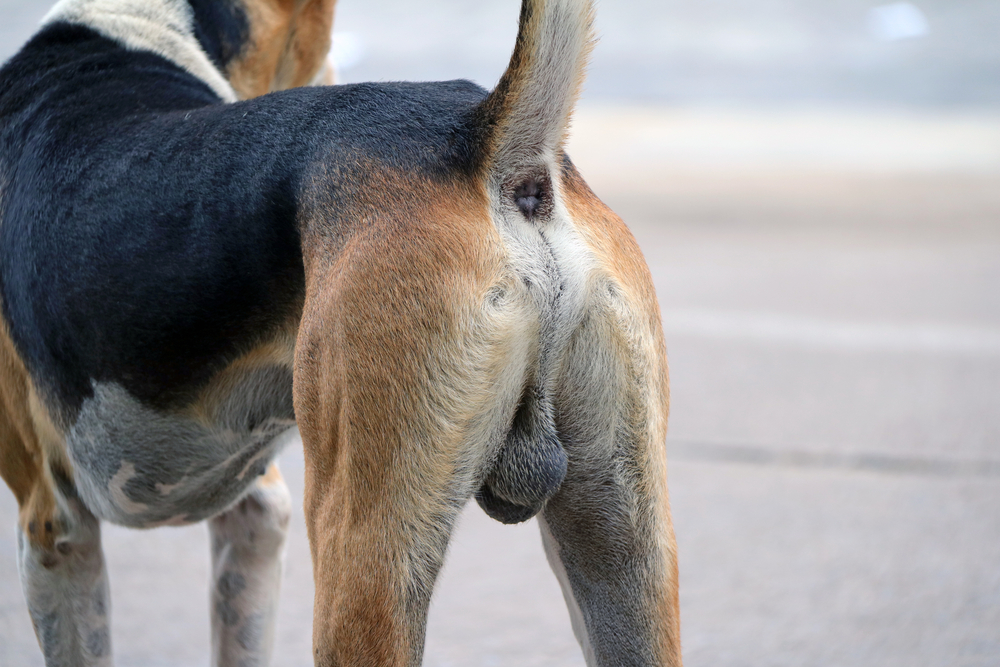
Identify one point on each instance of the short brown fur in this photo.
(383, 482)
(23, 461)
(289, 40)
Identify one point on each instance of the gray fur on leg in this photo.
(66, 588)
(247, 552)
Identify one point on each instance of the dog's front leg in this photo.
(66, 586)
(247, 548)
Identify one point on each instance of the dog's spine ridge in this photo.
(527, 115)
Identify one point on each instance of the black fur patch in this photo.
(150, 235)
(222, 29)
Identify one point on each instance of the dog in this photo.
(199, 253)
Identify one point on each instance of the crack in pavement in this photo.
(687, 450)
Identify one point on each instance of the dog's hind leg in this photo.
(403, 387)
(247, 547)
(607, 532)
(59, 540)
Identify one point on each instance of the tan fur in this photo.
(386, 398)
(271, 478)
(23, 459)
(289, 42)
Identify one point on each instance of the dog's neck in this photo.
(164, 27)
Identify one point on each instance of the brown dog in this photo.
(415, 274)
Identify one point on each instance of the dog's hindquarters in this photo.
(407, 368)
(586, 447)
(486, 327)
(524, 121)
(414, 353)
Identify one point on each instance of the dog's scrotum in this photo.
(530, 465)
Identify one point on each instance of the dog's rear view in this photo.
(459, 315)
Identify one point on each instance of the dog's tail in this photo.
(527, 115)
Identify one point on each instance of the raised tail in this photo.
(527, 115)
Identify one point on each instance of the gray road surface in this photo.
(829, 285)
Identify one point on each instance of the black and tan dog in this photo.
(415, 274)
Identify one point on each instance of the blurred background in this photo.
(815, 186)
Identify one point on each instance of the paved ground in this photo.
(829, 285)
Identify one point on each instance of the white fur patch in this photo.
(116, 490)
(164, 27)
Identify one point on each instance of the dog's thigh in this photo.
(403, 385)
(247, 551)
(608, 532)
(387, 472)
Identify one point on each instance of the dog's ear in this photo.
(286, 46)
